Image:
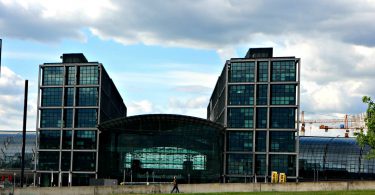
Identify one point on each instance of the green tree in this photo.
(368, 138)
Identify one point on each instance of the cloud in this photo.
(12, 100)
(140, 107)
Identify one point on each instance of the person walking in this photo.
(175, 185)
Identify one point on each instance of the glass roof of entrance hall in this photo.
(133, 122)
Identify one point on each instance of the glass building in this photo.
(256, 99)
(156, 147)
(73, 98)
(334, 158)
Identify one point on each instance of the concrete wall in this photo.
(195, 188)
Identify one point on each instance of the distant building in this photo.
(256, 98)
(73, 98)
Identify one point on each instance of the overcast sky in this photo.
(165, 56)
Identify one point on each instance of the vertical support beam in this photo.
(24, 133)
(298, 116)
(37, 125)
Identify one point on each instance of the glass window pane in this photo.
(282, 141)
(49, 139)
(260, 141)
(52, 96)
(283, 71)
(84, 161)
(71, 78)
(69, 96)
(88, 96)
(262, 71)
(84, 139)
(283, 94)
(65, 161)
(262, 91)
(260, 164)
(282, 118)
(283, 164)
(68, 118)
(88, 75)
(67, 139)
(241, 95)
(240, 141)
(50, 118)
(240, 164)
(86, 118)
(53, 75)
(261, 118)
(240, 117)
(48, 161)
(241, 72)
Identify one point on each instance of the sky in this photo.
(165, 56)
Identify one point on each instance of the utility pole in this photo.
(24, 133)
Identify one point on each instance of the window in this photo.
(283, 94)
(260, 141)
(53, 75)
(282, 118)
(241, 72)
(65, 161)
(262, 91)
(260, 164)
(282, 141)
(84, 139)
(86, 118)
(240, 141)
(241, 95)
(48, 161)
(241, 164)
(49, 139)
(88, 96)
(68, 118)
(283, 164)
(51, 96)
(50, 118)
(84, 161)
(283, 71)
(71, 78)
(240, 117)
(67, 139)
(69, 96)
(263, 71)
(88, 75)
(261, 118)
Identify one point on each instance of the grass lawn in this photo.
(358, 192)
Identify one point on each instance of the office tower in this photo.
(256, 98)
(73, 98)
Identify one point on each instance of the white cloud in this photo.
(139, 107)
(11, 102)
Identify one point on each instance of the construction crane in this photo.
(349, 122)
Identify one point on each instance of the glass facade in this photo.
(283, 118)
(242, 72)
(334, 158)
(240, 141)
(69, 115)
(283, 70)
(241, 95)
(260, 114)
(240, 117)
(162, 146)
(283, 94)
(262, 94)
